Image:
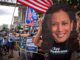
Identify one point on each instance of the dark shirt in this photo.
(59, 52)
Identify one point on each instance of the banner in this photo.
(31, 16)
(30, 46)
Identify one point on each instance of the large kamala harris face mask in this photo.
(61, 26)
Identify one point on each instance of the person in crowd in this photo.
(78, 30)
(78, 21)
(27, 32)
(23, 34)
(11, 43)
(1, 40)
(59, 33)
(78, 24)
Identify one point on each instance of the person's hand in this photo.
(17, 34)
(40, 21)
(14, 33)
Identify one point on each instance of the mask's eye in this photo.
(64, 23)
(53, 24)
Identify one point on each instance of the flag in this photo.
(38, 5)
(31, 16)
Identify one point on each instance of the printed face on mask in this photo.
(61, 26)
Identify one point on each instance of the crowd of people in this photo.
(57, 36)
(7, 42)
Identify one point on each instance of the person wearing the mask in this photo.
(59, 32)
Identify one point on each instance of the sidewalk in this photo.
(16, 57)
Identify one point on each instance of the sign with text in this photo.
(30, 47)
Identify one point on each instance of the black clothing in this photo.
(38, 56)
(60, 52)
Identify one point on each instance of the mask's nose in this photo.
(59, 28)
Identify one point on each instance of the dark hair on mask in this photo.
(48, 40)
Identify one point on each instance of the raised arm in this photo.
(37, 38)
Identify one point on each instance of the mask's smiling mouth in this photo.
(60, 35)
